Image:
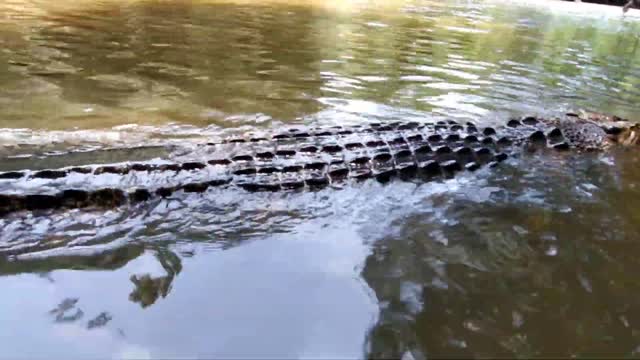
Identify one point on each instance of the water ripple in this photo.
(478, 266)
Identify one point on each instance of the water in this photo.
(534, 258)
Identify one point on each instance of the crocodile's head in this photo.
(614, 130)
(626, 135)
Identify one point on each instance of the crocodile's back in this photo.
(298, 159)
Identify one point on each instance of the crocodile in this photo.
(299, 159)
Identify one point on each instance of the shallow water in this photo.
(533, 258)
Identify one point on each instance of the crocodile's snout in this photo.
(627, 136)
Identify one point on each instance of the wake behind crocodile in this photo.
(299, 159)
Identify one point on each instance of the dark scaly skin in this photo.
(290, 137)
(319, 158)
(282, 145)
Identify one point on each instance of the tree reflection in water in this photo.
(64, 312)
(99, 321)
(148, 288)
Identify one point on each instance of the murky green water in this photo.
(535, 258)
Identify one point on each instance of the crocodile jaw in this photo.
(630, 136)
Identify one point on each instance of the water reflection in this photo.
(99, 321)
(100, 260)
(148, 288)
(66, 311)
(229, 272)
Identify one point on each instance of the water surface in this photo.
(535, 258)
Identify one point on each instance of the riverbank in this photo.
(625, 3)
